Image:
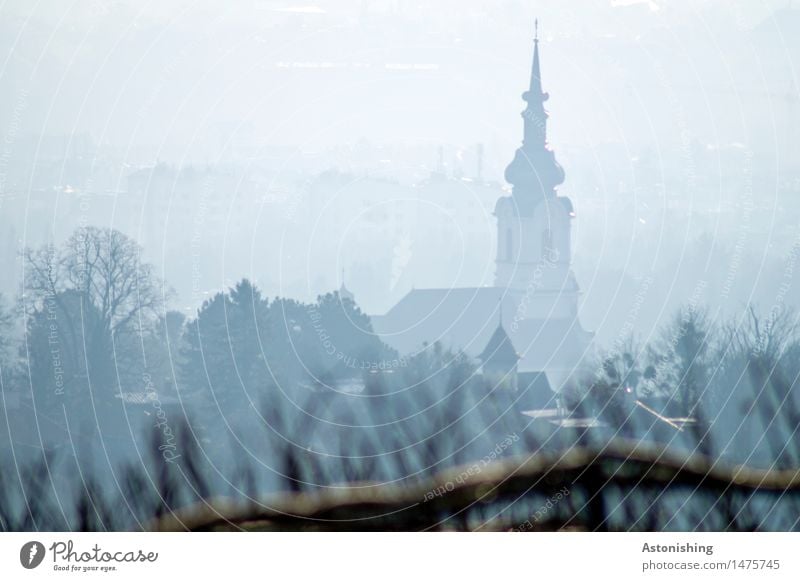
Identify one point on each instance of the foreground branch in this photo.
(443, 501)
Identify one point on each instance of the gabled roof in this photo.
(461, 317)
(499, 350)
(464, 319)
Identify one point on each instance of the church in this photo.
(524, 331)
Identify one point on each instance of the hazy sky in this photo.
(184, 80)
(643, 94)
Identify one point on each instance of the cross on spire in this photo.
(535, 93)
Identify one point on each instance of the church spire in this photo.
(534, 115)
(536, 75)
(344, 293)
(534, 172)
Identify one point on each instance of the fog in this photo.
(361, 147)
(662, 113)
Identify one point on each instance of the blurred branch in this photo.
(372, 506)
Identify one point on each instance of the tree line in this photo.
(252, 395)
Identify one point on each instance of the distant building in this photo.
(534, 292)
(344, 292)
(499, 359)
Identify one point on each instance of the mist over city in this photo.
(400, 265)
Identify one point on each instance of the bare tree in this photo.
(760, 373)
(764, 338)
(104, 265)
(99, 288)
(7, 339)
(6, 328)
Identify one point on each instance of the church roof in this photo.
(465, 319)
(499, 350)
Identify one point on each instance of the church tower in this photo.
(543, 344)
(533, 223)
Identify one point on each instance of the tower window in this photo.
(509, 245)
